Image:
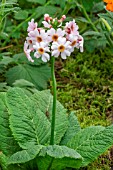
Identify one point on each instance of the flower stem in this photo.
(88, 18)
(54, 101)
(2, 13)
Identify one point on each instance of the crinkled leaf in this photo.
(7, 143)
(6, 60)
(3, 87)
(28, 87)
(73, 128)
(25, 155)
(3, 161)
(62, 157)
(92, 142)
(22, 59)
(21, 15)
(36, 75)
(43, 100)
(23, 83)
(28, 123)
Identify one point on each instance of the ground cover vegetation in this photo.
(84, 80)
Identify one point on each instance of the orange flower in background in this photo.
(108, 1)
(109, 5)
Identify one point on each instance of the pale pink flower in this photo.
(61, 47)
(38, 36)
(46, 24)
(47, 18)
(42, 51)
(32, 26)
(74, 41)
(27, 51)
(62, 18)
(71, 28)
(80, 42)
(29, 42)
(53, 34)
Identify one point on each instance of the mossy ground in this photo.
(85, 84)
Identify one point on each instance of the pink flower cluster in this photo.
(53, 39)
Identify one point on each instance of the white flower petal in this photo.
(67, 44)
(63, 55)
(42, 44)
(44, 59)
(25, 46)
(61, 40)
(37, 55)
(47, 49)
(67, 52)
(53, 31)
(36, 46)
(56, 55)
(54, 46)
(60, 32)
(46, 24)
(46, 55)
(81, 49)
(55, 52)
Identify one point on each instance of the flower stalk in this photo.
(54, 100)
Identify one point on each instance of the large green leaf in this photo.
(38, 75)
(73, 128)
(25, 155)
(28, 123)
(43, 100)
(4, 164)
(58, 157)
(92, 142)
(7, 143)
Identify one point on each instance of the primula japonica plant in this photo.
(36, 131)
(50, 42)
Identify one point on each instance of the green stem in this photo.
(88, 18)
(2, 13)
(54, 101)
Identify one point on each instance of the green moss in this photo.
(85, 85)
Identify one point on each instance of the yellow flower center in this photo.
(61, 48)
(39, 39)
(41, 50)
(73, 43)
(55, 37)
